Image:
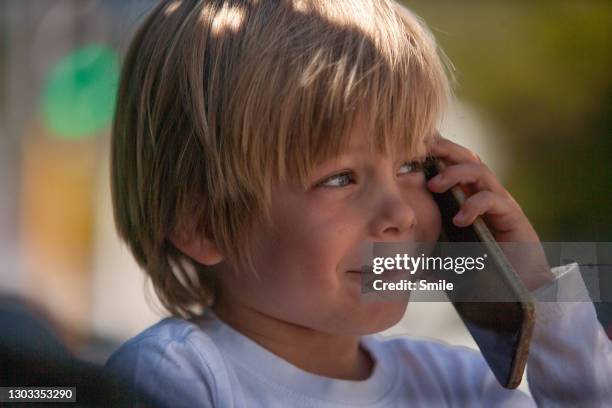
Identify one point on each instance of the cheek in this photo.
(428, 216)
(303, 249)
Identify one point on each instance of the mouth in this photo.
(363, 269)
(389, 275)
(364, 274)
(361, 275)
(355, 274)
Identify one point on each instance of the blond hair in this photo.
(218, 98)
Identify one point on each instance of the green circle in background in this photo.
(79, 96)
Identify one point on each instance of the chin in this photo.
(379, 316)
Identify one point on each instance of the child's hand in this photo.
(490, 200)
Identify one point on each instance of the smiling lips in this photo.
(387, 274)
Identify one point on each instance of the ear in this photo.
(202, 249)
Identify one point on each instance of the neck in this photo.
(325, 354)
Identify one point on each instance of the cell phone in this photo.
(502, 329)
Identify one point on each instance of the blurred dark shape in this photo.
(31, 355)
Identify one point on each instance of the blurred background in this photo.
(534, 100)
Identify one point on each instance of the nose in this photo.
(394, 218)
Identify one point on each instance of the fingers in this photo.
(481, 203)
(476, 174)
(486, 195)
(452, 152)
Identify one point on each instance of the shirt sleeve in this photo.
(570, 358)
(167, 373)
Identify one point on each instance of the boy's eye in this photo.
(410, 167)
(338, 180)
(347, 177)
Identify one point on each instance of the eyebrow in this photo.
(365, 150)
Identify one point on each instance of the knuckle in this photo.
(484, 168)
(488, 174)
(512, 203)
(479, 168)
(486, 198)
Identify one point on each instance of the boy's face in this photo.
(305, 256)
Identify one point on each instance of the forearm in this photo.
(570, 359)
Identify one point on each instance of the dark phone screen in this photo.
(496, 326)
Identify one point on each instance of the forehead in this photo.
(364, 139)
(362, 136)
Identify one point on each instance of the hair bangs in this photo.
(387, 69)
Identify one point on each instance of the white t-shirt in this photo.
(205, 363)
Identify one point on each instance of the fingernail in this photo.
(460, 217)
(437, 179)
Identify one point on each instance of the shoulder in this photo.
(436, 365)
(449, 374)
(172, 338)
(429, 351)
(169, 359)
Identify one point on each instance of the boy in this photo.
(257, 146)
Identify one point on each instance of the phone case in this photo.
(493, 325)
